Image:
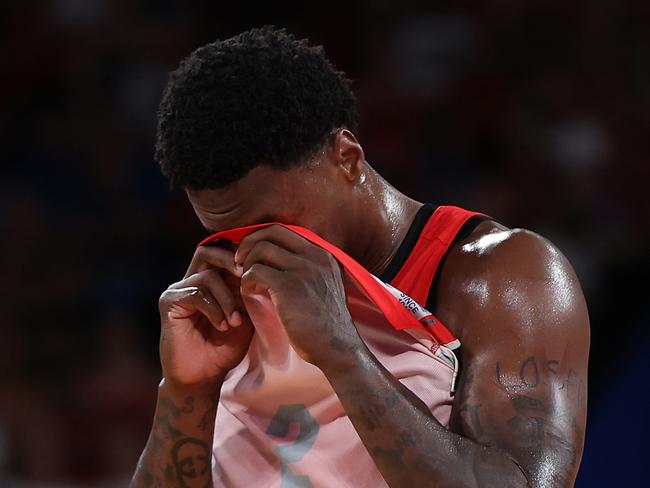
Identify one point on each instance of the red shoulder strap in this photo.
(416, 274)
(396, 312)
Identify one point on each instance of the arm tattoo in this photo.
(514, 433)
(191, 461)
(408, 445)
(178, 452)
(546, 436)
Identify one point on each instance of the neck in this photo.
(382, 224)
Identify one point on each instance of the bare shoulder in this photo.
(517, 307)
(512, 277)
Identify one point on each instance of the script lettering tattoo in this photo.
(528, 376)
(552, 365)
(575, 388)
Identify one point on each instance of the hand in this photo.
(203, 334)
(304, 284)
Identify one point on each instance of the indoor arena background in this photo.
(535, 112)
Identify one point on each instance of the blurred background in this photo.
(535, 112)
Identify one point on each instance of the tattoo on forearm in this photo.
(191, 461)
(167, 429)
(372, 409)
(175, 458)
(189, 405)
(207, 418)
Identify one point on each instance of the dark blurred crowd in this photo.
(535, 112)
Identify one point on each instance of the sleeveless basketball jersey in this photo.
(415, 267)
(279, 422)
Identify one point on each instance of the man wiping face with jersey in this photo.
(290, 354)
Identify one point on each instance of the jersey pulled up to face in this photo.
(279, 422)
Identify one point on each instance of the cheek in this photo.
(328, 227)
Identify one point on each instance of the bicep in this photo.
(530, 406)
(523, 389)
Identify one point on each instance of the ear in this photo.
(348, 154)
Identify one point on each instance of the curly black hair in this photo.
(260, 97)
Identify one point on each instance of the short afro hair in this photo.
(260, 97)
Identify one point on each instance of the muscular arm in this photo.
(179, 450)
(519, 415)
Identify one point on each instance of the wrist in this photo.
(178, 390)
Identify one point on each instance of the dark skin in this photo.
(512, 299)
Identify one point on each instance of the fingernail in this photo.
(235, 319)
(223, 326)
(239, 269)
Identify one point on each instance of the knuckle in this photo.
(252, 273)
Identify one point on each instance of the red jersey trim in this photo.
(416, 275)
(396, 314)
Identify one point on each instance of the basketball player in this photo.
(261, 128)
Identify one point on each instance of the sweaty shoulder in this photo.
(499, 281)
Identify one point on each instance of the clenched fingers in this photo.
(181, 303)
(210, 286)
(206, 257)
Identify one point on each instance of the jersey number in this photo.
(308, 428)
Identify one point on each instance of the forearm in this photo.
(179, 449)
(408, 445)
